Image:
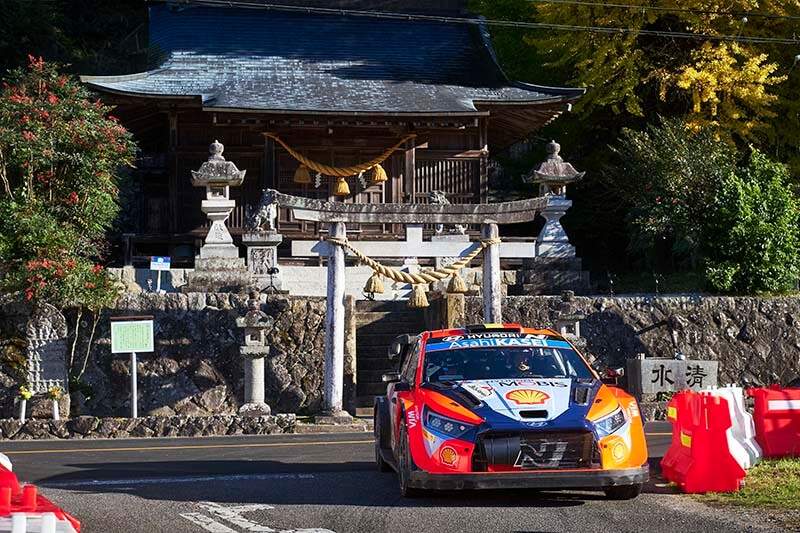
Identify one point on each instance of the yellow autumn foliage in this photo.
(729, 87)
(737, 88)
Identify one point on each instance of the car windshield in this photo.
(466, 364)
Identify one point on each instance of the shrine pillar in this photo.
(492, 288)
(334, 327)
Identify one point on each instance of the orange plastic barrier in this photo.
(698, 460)
(777, 418)
(27, 501)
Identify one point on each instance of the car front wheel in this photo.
(404, 466)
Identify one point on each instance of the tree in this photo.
(60, 155)
(88, 36)
(668, 176)
(753, 236)
(737, 89)
(736, 222)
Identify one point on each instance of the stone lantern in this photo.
(553, 176)
(255, 324)
(218, 267)
(218, 176)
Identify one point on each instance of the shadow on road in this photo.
(281, 483)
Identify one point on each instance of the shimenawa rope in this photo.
(428, 276)
(341, 172)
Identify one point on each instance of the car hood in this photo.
(528, 399)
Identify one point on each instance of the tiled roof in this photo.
(258, 59)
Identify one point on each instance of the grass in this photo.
(772, 484)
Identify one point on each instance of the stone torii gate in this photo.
(338, 215)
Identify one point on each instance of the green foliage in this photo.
(753, 237)
(668, 176)
(90, 36)
(59, 159)
(739, 222)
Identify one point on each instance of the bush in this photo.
(668, 176)
(60, 154)
(752, 234)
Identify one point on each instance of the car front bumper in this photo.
(538, 479)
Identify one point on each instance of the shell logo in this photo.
(527, 396)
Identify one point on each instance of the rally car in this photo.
(502, 406)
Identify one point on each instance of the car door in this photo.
(401, 390)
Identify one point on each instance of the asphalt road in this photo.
(316, 483)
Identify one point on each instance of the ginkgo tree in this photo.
(715, 78)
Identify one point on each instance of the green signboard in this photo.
(131, 336)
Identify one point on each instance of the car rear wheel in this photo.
(623, 492)
(404, 466)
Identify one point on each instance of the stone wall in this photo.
(89, 427)
(196, 369)
(755, 340)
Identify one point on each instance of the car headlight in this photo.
(449, 427)
(611, 423)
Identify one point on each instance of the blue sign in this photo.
(159, 262)
(496, 343)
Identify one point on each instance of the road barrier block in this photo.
(677, 411)
(24, 510)
(742, 433)
(777, 419)
(699, 459)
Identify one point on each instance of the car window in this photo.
(467, 364)
(408, 371)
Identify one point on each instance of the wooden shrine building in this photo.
(339, 88)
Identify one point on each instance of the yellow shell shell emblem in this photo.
(527, 396)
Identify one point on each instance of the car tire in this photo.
(623, 492)
(378, 425)
(404, 466)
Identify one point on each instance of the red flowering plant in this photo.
(60, 160)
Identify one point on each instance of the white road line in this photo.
(161, 480)
(207, 523)
(234, 516)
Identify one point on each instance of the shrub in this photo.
(60, 153)
(752, 234)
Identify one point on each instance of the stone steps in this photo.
(372, 389)
(373, 339)
(371, 375)
(373, 364)
(378, 323)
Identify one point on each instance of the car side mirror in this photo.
(395, 348)
(391, 377)
(399, 345)
(611, 376)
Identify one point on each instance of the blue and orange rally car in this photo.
(502, 406)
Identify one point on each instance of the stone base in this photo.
(554, 282)
(551, 275)
(40, 406)
(255, 409)
(214, 251)
(338, 418)
(218, 275)
(262, 238)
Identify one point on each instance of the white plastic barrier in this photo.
(742, 433)
(5, 462)
(35, 523)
